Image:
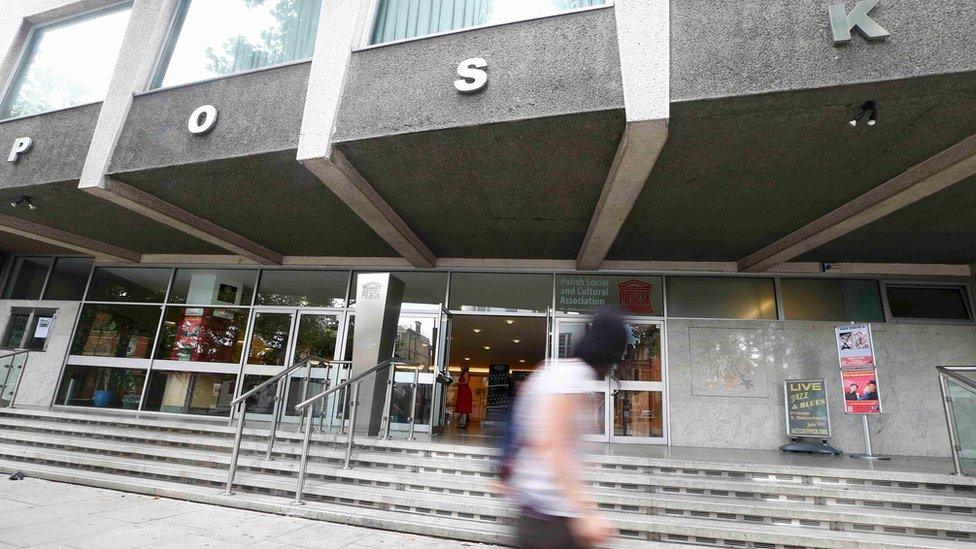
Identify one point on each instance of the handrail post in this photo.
(413, 403)
(242, 410)
(950, 422)
(345, 408)
(388, 403)
(303, 465)
(275, 416)
(352, 424)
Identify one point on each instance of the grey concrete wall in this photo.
(257, 112)
(40, 376)
(545, 67)
(735, 47)
(737, 416)
(61, 141)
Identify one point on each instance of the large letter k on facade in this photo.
(843, 23)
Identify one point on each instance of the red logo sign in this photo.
(635, 296)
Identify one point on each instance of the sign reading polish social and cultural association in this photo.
(861, 393)
(806, 408)
(639, 295)
(855, 346)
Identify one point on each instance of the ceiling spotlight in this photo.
(477, 330)
(510, 321)
(868, 109)
(18, 200)
(467, 358)
(487, 348)
(516, 341)
(522, 360)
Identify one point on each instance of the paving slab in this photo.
(48, 515)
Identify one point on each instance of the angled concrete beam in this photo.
(341, 28)
(57, 237)
(644, 41)
(943, 170)
(146, 35)
(159, 210)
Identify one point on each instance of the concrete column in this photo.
(144, 39)
(342, 27)
(644, 41)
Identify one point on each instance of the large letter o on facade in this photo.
(203, 120)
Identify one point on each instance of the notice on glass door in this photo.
(43, 327)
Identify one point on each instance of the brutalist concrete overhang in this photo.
(512, 171)
(739, 173)
(243, 175)
(59, 145)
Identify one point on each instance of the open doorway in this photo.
(499, 353)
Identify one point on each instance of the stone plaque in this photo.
(728, 362)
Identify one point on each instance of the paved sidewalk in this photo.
(42, 514)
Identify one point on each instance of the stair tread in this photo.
(826, 470)
(670, 525)
(840, 491)
(474, 504)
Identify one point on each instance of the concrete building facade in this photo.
(499, 162)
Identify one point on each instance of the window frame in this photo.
(165, 54)
(8, 274)
(964, 286)
(32, 315)
(27, 46)
(373, 12)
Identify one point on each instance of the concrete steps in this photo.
(731, 504)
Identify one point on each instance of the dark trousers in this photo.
(540, 532)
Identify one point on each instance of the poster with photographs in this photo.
(855, 347)
(861, 393)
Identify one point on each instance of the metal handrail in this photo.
(946, 373)
(6, 379)
(241, 404)
(353, 407)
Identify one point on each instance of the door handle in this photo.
(614, 390)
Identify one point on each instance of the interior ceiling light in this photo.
(487, 348)
(467, 358)
(510, 321)
(477, 330)
(868, 109)
(18, 200)
(516, 341)
(522, 360)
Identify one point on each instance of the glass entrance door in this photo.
(317, 333)
(629, 406)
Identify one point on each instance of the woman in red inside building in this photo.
(464, 401)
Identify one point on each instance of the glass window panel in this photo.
(932, 302)
(220, 38)
(213, 287)
(836, 300)
(122, 331)
(96, 387)
(639, 295)
(261, 402)
(27, 278)
(16, 328)
(722, 297)
(68, 279)
(126, 284)
(269, 339)
(202, 334)
(67, 64)
(400, 19)
(303, 288)
(502, 293)
(638, 414)
(196, 393)
(418, 288)
(317, 336)
(642, 359)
